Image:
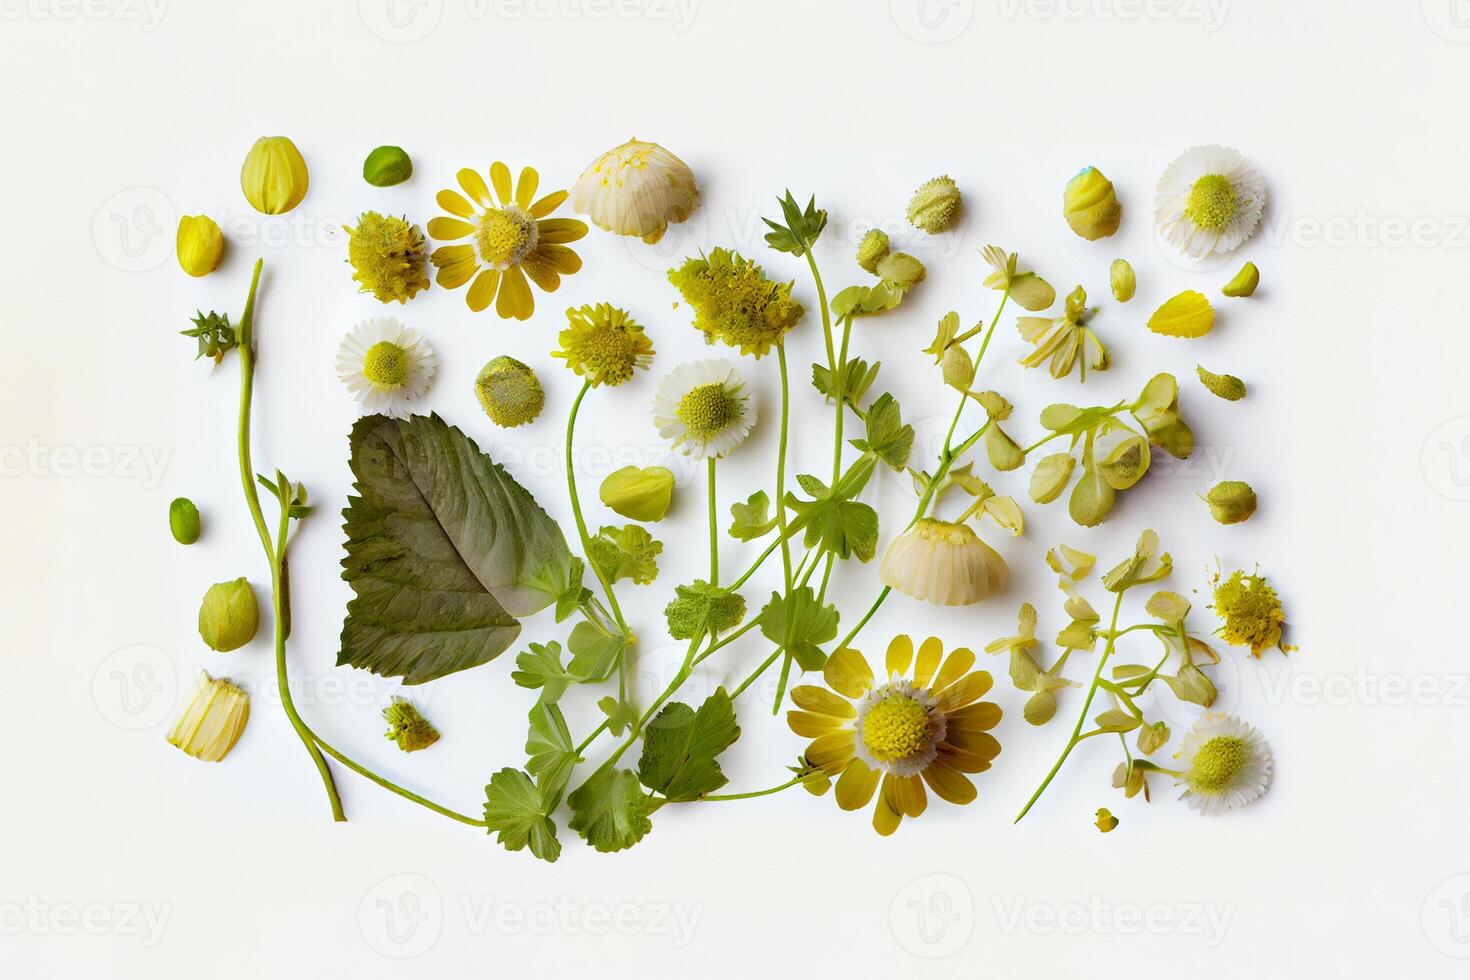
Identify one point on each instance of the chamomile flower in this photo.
(943, 563)
(925, 726)
(1226, 764)
(636, 188)
(387, 366)
(1209, 201)
(703, 407)
(512, 238)
(603, 344)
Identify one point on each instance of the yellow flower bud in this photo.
(874, 246)
(935, 205)
(214, 720)
(639, 493)
(1123, 281)
(1090, 205)
(1231, 501)
(199, 244)
(274, 176)
(1245, 281)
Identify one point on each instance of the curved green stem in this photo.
(755, 674)
(752, 795)
(612, 599)
(781, 465)
(714, 528)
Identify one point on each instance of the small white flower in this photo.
(1226, 764)
(637, 188)
(943, 563)
(387, 366)
(1209, 201)
(703, 407)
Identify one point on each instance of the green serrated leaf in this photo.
(550, 753)
(680, 747)
(517, 815)
(620, 714)
(800, 624)
(888, 437)
(858, 378)
(701, 609)
(610, 810)
(752, 519)
(595, 654)
(540, 667)
(627, 552)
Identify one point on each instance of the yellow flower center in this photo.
(506, 236)
(1218, 762)
(708, 409)
(1212, 202)
(895, 727)
(608, 353)
(1251, 610)
(386, 365)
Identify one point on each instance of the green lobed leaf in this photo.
(595, 654)
(540, 668)
(800, 624)
(517, 815)
(857, 379)
(888, 437)
(628, 552)
(610, 810)
(680, 747)
(550, 753)
(752, 519)
(701, 609)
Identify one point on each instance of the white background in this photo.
(121, 857)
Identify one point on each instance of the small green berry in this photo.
(1231, 501)
(509, 392)
(183, 520)
(386, 166)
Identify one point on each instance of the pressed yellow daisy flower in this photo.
(510, 241)
(603, 344)
(892, 738)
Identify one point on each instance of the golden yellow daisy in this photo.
(926, 727)
(510, 240)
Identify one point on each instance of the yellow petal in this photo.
(831, 752)
(526, 186)
(1187, 315)
(456, 274)
(500, 180)
(965, 690)
(515, 300)
(559, 257)
(809, 725)
(909, 797)
(964, 761)
(949, 784)
(555, 231)
(980, 717)
(448, 229)
(452, 255)
(900, 654)
(885, 818)
(483, 290)
(548, 204)
(822, 701)
(541, 271)
(474, 186)
(455, 204)
(855, 786)
(846, 672)
(981, 744)
(960, 660)
(929, 653)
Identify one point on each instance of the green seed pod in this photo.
(1091, 206)
(935, 205)
(1231, 501)
(229, 616)
(183, 520)
(386, 166)
(959, 368)
(1245, 281)
(1123, 281)
(639, 493)
(509, 392)
(1227, 386)
(873, 247)
(902, 270)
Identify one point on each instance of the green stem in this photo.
(727, 640)
(765, 665)
(1081, 717)
(752, 795)
(612, 599)
(781, 465)
(714, 528)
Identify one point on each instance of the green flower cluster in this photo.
(735, 303)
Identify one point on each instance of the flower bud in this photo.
(509, 392)
(229, 616)
(274, 176)
(639, 493)
(386, 166)
(213, 721)
(935, 205)
(199, 244)
(1105, 821)
(1090, 205)
(874, 246)
(1231, 501)
(183, 520)
(1121, 277)
(959, 368)
(407, 727)
(902, 270)
(1227, 386)
(1245, 281)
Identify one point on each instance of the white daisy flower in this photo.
(943, 563)
(703, 406)
(1226, 764)
(637, 188)
(387, 366)
(1209, 201)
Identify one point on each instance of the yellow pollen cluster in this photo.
(1217, 763)
(386, 365)
(895, 727)
(1212, 202)
(1251, 610)
(505, 236)
(708, 409)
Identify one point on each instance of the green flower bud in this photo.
(902, 270)
(935, 205)
(407, 727)
(873, 247)
(1231, 501)
(959, 368)
(1227, 386)
(1123, 281)
(386, 166)
(1091, 206)
(509, 392)
(229, 616)
(639, 494)
(183, 520)
(1245, 281)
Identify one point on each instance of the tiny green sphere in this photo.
(183, 520)
(1231, 502)
(386, 166)
(228, 616)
